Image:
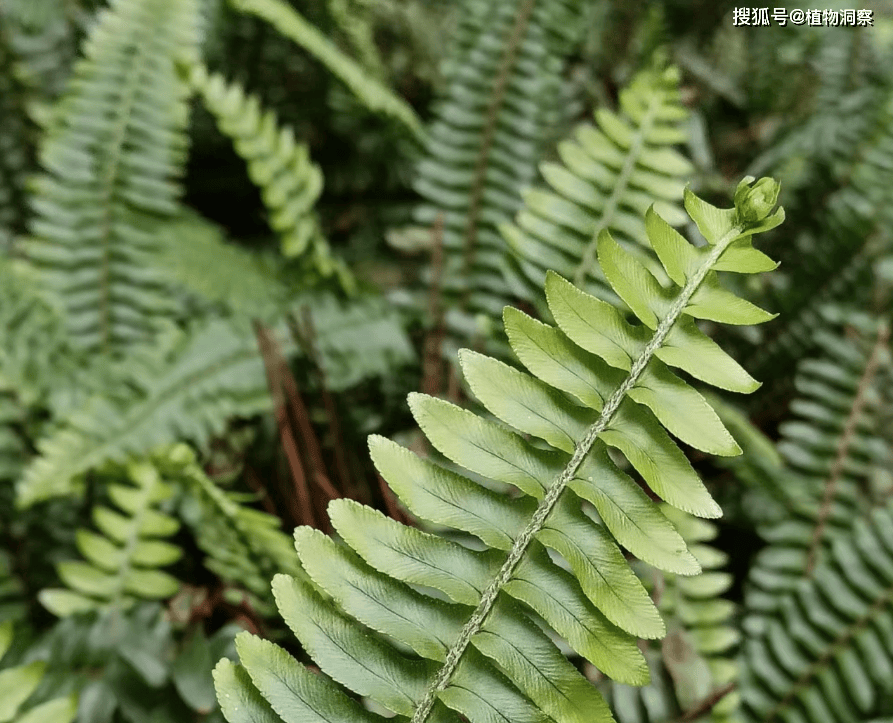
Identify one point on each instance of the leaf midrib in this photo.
(500, 86)
(110, 186)
(555, 490)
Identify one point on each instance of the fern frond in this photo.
(493, 124)
(244, 547)
(17, 683)
(596, 382)
(122, 560)
(833, 446)
(827, 654)
(606, 180)
(280, 166)
(190, 391)
(695, 660)
(375, 96)
(229, 278)
(111, 158)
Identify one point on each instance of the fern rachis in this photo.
(581, 450)
(469, 646)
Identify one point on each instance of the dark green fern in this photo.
(492, 125)
(833, 445)
(826, 654)
(112, 159)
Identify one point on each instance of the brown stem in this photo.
(341, 464)
(302, 503)
(432, 364)
(707, 704)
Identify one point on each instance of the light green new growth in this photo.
(123, 557)
(481, 655)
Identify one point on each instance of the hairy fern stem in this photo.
(553, 494)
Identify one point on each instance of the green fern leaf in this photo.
(122, 560)
(290, 183)
(607, 178)
(477, 651)
(826, 655)
(497, 117)
(186, 389)
(111, 158)
(368, 90)
(833, 446)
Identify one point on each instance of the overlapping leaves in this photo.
(607, 177)
(431, 629)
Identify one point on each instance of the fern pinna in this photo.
(431, 629)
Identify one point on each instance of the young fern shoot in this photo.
(595, 381)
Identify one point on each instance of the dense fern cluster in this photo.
(212, 304)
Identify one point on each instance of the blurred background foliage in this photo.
(234, 236)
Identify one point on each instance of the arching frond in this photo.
(595, 382)
(112, 158)
(123, 556)
(833, 447)
(280, 166)
(188, 389)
